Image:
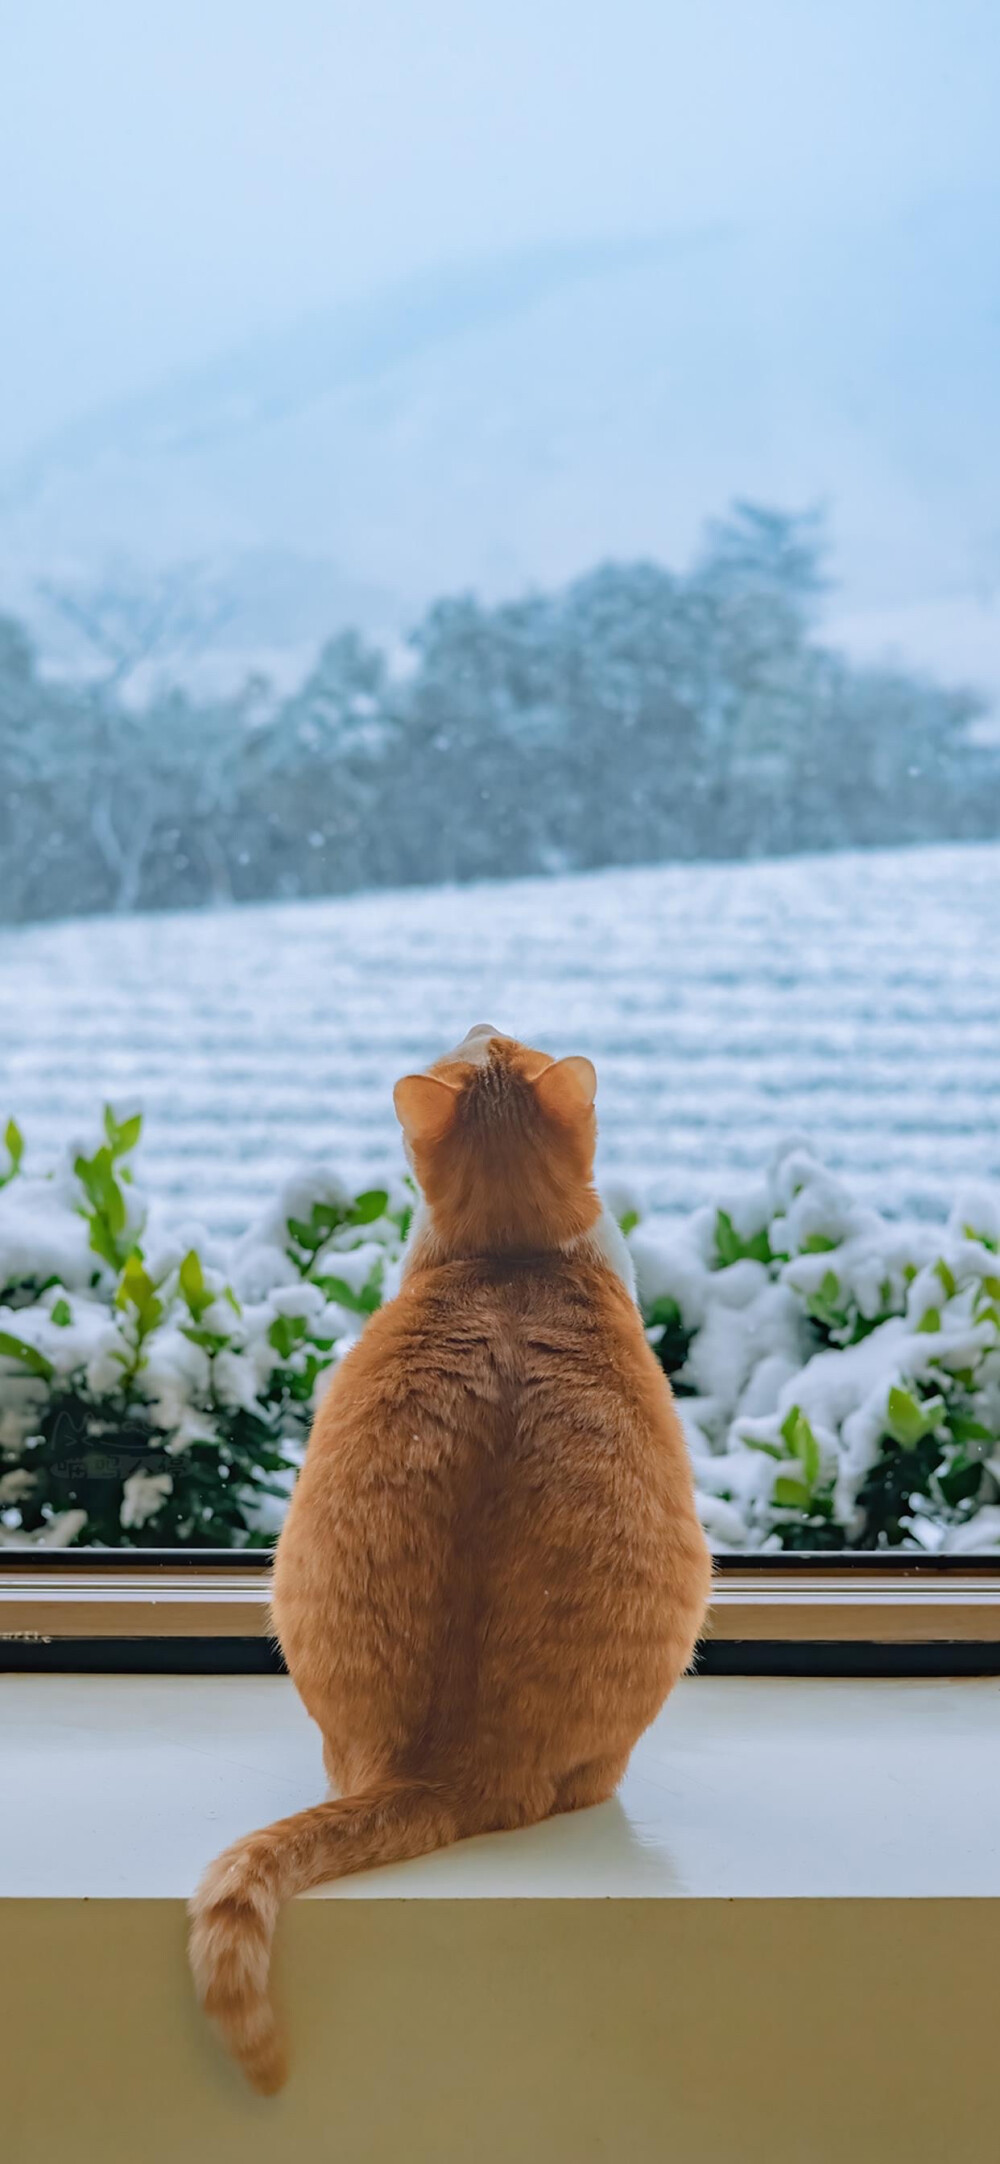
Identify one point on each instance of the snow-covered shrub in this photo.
(153, 1390)
(838, 1374)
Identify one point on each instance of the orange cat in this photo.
(491, 1573)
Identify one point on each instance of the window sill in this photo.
(797, 1877)
(748, 1789)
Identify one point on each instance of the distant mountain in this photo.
(517, 421)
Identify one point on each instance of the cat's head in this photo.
(501, 1139)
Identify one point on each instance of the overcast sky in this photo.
(178, 174)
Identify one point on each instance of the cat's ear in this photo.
(567, 1089)
(424, 1106)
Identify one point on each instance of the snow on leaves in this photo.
(837, 1373)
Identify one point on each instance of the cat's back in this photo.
(500, 1344)
(492, 1352)
(584, 1565)
(523, 1391)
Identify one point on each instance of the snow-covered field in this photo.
(854, 999)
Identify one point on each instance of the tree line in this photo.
(636, 715)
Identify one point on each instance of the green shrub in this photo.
(838, 1375)
(149, 1395)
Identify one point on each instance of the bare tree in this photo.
(127, 621)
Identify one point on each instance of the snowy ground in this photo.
(853, 999)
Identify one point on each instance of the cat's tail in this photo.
(234, 1911)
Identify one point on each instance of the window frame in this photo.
(215, 1596)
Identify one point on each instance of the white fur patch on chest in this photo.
(606, 1243)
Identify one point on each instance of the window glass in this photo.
(498, 518)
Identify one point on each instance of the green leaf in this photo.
(136, 1289)
(124, 1136)
(83, 1167)
(371, 1293)
(628, 1222)
(947, 1278)
(961, 1482)
(930, 1321)
(807, 1450)
(802, 1443)
(364, 1302)
(15, 1144)
(324, 1218)
(328, 1214)
(191, 1278)
(727, 1246)
(824, 1304)
(14, 1348)
(114, 1203)
(211, 1341)
(664, 1312)
(285, 1333)
(335, 1288)
(103, 1243)
(791, 1494)
(966, 1430)
(817, 1243)
(730, 1246)
(304, 1235)
(982, 1239)
(97, 1177)
(62, 1314)
(369, 1206)
(908, 1419)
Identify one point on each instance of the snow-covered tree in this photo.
(636, 714)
